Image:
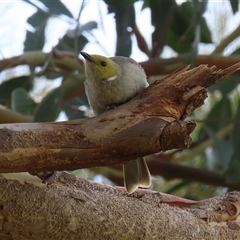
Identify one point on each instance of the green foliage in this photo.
(21, 102)
(125, 17)
(225, 87)
(50, 107)
(234, 4)
(74, 39)
(7, 87)
(37, 18)
(15, 91)
(232, 173)
(162, 13)
(218, 116)
(67, 43)
(184, 23)
(34, 41)
(57, 7)
(124, 3)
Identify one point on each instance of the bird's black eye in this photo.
(103, 63)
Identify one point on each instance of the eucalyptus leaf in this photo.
(8, 86)
(218, 117)
(234, 5)
(37, 18)
(236, 133)
(233, 173)
(85, 27)
(178, 45)
(125, 17)
(226, 86)
(67, 43)
(220, 155)
(50, 75)
(57, 7)
(35, 40)
(162, 13)
(186, 18)
(50, 107)
(21, 102)
(125, 3)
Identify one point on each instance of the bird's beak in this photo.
(87, 57)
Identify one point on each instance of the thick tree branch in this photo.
(74, 208)
(153, 121)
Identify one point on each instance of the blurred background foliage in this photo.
(39, 86)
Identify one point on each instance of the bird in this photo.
(111, 82)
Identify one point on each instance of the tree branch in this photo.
(107, 138)
(74, 208)
(227, 40)
(160, 66)
(70, 62)
(9, 116)
(67, 61)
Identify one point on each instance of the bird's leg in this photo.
(47, 177)
(111, 107)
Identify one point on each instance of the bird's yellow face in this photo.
(100, 68)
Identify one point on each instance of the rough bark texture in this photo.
(73, 208)
(153, 121)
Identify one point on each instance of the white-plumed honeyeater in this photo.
(112, 82)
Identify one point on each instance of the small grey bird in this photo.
(112, 82)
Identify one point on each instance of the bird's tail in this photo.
(136, 174)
